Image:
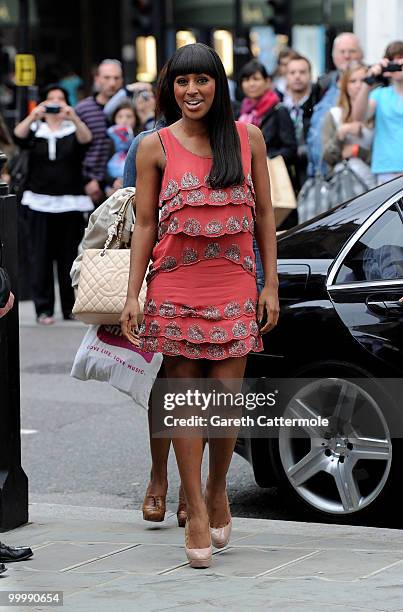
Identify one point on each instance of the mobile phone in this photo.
(52, 109)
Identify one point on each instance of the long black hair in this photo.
(224, 140)
(164, 109)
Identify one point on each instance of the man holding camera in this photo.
(386, 105)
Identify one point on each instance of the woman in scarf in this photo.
(261, 106)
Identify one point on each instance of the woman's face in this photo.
(194, 94)
(55, 96)
(354, 83)
(255, 86)
(126, 117)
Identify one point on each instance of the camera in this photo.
(391, 67)
(144, 94)
(52, 109)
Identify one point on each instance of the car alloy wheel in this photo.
(342, 468)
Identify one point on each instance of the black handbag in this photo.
(19, 171)
(5, 285)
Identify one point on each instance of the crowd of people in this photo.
(75, 158)
(205, 307)
(78, 149)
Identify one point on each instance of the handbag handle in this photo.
(116, 229)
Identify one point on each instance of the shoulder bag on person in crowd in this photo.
(314, 198)
(320, 194)
(19, 165)
(5, 285)
(346, 183)
(19, 169)
(282, 192)
(104, 272)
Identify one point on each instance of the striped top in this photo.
(98, 152)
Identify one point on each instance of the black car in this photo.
(340, 327)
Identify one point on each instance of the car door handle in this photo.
(384, 307)
(394, 308)
(376, 306)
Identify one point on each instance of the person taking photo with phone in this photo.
(386, 105)
(54, 193)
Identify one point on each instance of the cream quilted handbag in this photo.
(102, 286)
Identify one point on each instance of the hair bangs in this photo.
(193, 59)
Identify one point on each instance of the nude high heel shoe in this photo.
(220, 535)
(197, 557)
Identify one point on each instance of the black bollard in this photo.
(13, 480)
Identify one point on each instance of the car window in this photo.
(378, 254)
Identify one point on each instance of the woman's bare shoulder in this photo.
(255, 137)
(150, 143)
(254, 132)
(150, 151)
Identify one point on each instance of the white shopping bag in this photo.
(105, 355)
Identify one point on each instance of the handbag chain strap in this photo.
(116, 229)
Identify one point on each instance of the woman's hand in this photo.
(354, 128)
(38, 113)
(268, 305)
(67, 112)
(377, 69)
(128, 321)
(348, 151)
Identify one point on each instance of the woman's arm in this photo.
(148, 185)
(364, 108)
(21, 131)
(265, 230)
(83, 133)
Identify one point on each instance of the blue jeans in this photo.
(259, 267)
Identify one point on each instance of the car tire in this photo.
(373, 483)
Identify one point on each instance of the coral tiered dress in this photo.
(202, 296)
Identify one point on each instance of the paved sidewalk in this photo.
(107, 560)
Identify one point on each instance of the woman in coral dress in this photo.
(207, 177)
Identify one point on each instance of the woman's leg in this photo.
(67, 233)
(159, 448)
(189, 455)
(154, 504)
(40, 226)
(221, 449)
